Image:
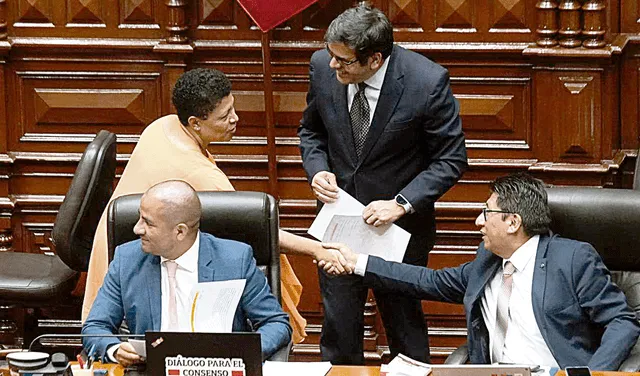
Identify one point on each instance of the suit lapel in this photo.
(540, 283)
(487, 272)
(342, 114)
(205, 260)
(390, 94)
(154, 290)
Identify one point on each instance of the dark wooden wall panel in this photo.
(69, 68)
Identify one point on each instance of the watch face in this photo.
(400, 200)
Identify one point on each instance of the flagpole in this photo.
(270, 115)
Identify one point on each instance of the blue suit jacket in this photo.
(132, 291)
(583, 317)
(415, 145)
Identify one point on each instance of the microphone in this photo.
(80, 336)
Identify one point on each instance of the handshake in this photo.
(336, 259)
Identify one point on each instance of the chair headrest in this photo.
(88, 195)
(608, 219)
(249, 217)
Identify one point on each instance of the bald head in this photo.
(180, 202)
(169, 219)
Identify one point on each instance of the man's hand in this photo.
(332, 261)
(382, 212)
(349, 256)
(325, 187)
(126, 355)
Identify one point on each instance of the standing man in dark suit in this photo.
(382, 124)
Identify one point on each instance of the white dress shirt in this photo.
(186, 278)
(372, 92)
(524, 343)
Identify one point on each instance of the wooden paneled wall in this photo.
(545, 86)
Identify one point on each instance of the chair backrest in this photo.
(86, 199)
(249, 217)
(608, 219)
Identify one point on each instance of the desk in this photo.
(359, 371)
(115, 370)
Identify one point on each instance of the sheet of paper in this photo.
(295, 368)
(140, 346)
(214, 304)
(342, 222)
(402, 365)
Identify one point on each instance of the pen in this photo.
(90, 355)
(80, 361)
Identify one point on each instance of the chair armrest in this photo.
(282, 355)
(632, 363)
(458, 356)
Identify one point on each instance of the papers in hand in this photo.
(295, 368)
(402, 365)
(341, 222)
(140, 346)
(214, 304)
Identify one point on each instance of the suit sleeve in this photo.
(447, 285)
(607, 306)
(444, 144)
(107, 312)
(263, 310)
(313, 133)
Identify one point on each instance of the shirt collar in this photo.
(521, 257)
(189, 259)
(377, 79)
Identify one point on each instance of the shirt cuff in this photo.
(111, 353)
(361, 265)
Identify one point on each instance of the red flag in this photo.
(237, 373)
(268, 14)
(173, 372)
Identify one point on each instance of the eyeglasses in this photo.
(341, 61)
(487, 210)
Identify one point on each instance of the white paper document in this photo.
(295, 368)
(140, 346)
(214, 304)
(341, 222)
(402, 365)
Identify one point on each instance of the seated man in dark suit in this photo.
(150, 280)
(530, 297)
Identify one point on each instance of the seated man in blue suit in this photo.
(138, 287)
(530, 297)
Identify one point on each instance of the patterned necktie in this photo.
(359, 115)
(502, 314)
(172, 266)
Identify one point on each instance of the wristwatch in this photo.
(401, 201)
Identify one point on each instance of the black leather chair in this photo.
(608, 219)
(249, 217)
(37, 280)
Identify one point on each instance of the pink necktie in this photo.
(172, 266)
(502, 315)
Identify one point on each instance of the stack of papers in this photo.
(295, 368)
(402, 365)
(342, 222)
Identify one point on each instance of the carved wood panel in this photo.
(571, 125)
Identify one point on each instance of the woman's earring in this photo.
(196, 127)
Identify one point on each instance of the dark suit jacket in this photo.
(582, 315)
(132, 289)
(415, 144)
